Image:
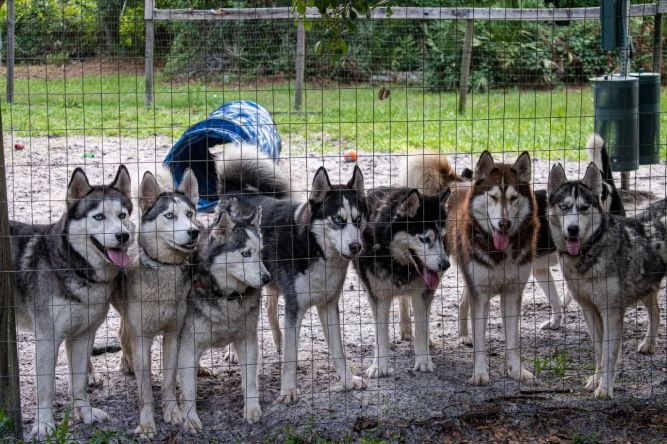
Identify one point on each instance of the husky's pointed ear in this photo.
(484, 165)
(122, 182)
(410, 204)
(149, 190)
(523, 167)
(357, 181)
(593, 179)
(257, 217)
(224, 222)
(321, 185)
(556, 178)
(78, 187)
(189, 186)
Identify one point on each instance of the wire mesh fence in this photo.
(342, 340)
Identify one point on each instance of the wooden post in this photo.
(150, 48)
(10, 50)
(300, 64)
(657, 43)
(465, 65)
(10, 394)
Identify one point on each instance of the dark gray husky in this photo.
(403, 255)
(307, 249)
(65, 274)
(609, 263)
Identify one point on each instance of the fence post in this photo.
(465, 65)
(10, 50)
(300, 64)
(150, 48)
(657, 43)
(10, 394)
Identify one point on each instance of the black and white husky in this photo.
(154, 302)
(609, 264)
(307, 249)
(65, 274)
(224, 304)
(403, 256)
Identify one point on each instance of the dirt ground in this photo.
(440, 406)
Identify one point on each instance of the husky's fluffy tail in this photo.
(598, 155)
(429, 172)
(243, 169)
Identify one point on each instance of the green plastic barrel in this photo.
(612, 24)
(649, 117)
(616, 111)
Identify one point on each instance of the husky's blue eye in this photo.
(563, 206)
(423, 238)
(122, 216)
(337, 220)
(189, 213)
(246, 253)
(98, 217)
(169, 215)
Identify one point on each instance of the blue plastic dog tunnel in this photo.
(234, 122)
(627, 105)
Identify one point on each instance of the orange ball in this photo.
(350, 155)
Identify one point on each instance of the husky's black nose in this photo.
(573, 230)
(504, 224)
(444, 264)
(266, 278)
(194, 233)
(355, 247)
(122, 237)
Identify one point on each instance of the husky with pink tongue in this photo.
(403, 255)
(65, 275)
(609, 263)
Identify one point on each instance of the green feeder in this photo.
(616, 111)
(649, 117)
(613, 30)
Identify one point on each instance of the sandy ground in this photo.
(408, 406)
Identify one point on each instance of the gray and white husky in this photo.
(154, 302)
(65, 274)
(307, 249)
(224, 304)
(403, 256)
(609, 263)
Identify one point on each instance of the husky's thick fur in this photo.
(154, 302)
(224, 304)
(307, 250)
(609, 263)
(403, 255)
(65, 274)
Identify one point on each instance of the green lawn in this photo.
(543, 122)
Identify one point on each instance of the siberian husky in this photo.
(65, 274)
(154, 300)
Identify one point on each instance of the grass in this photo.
(546, 123)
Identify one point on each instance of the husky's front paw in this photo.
(354, 383)
(603, 392)
(288, 396)
(379, 369)
(423, 364)
(481, 378)
(592, 382)
(647, 347)
(252, 413)
(42, 429)
(553, 323)
(90, 415)
(523, 375)
(146, 429)
(205, 372)
(406, 333)
(465, 341)
(172, 414)
(230, 355)
(192, 423)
